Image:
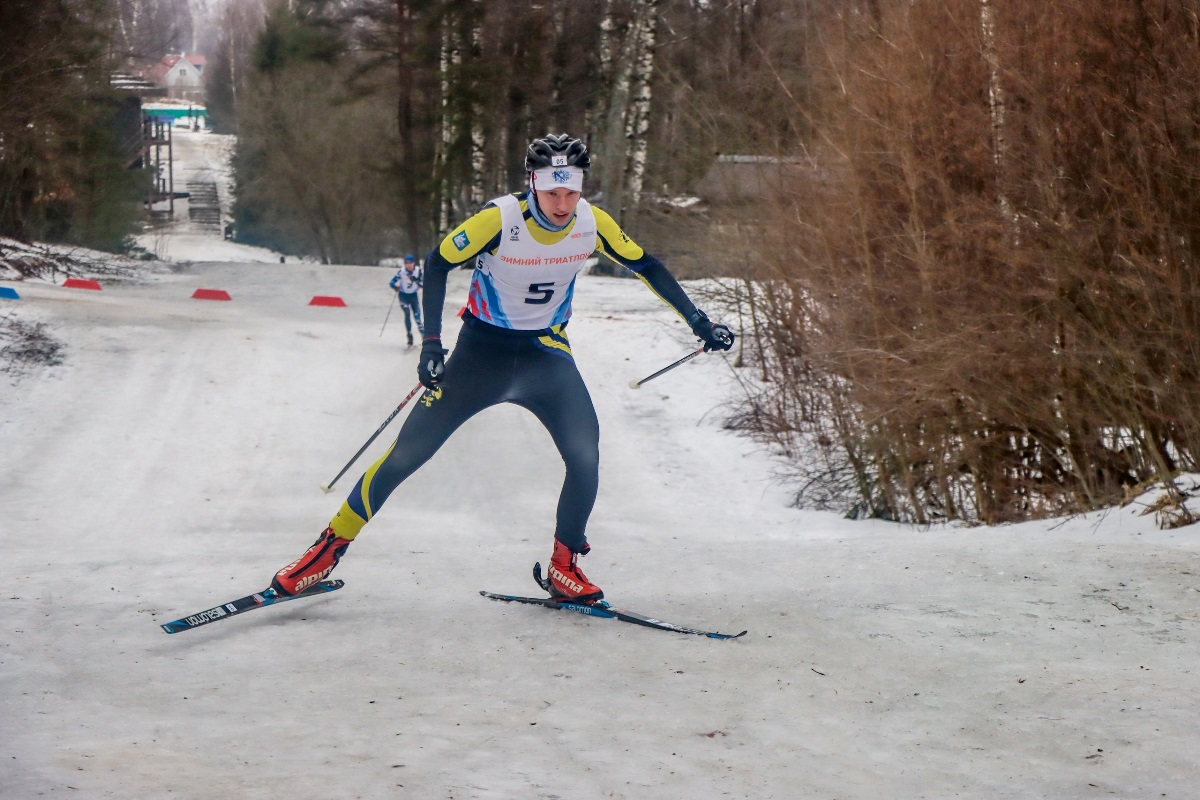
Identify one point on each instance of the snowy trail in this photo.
(174, 460)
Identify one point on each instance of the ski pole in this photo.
(328, 487)
(688, 357)
(389, 314)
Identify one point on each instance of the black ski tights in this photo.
(486, 369)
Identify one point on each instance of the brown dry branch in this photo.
(983, 302)
(20, 261)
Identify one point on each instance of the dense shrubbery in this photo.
(983, 302)
(311, 164)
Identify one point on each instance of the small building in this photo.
(177, 113)
(132, 83)
(741, 178)
(182, 75)
(143, 127)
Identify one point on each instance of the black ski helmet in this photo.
(542, 152)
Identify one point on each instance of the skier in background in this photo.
(528, 248)
(406, 283)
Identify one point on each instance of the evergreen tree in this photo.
(62, 175)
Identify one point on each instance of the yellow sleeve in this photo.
(480, 232)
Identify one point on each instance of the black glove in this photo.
(433, 362)
(715, 337)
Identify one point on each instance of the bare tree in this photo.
(622, 145)
(299, 186)
(229, 46)
(981, 303)
(328, 196)
(146, 30)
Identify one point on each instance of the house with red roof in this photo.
(182, 75)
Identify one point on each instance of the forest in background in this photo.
(355, 115)
(961, 246)
(63, 174)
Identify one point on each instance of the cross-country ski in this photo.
(267, 597)
(603, 610)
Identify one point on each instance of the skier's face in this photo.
(558, 204)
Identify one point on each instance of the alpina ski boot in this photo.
(566, 580)
(316, 563)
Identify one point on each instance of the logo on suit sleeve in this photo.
(460, 240)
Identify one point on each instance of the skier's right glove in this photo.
(433, 362)
(715, 337)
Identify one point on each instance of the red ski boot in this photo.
(566, 580)
(317, 562)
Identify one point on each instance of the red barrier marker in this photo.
(211, 294)
(81, 283)
(322, 300)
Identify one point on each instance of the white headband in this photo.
(550, 178)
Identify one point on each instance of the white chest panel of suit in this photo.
(526, 285)
(406, 281)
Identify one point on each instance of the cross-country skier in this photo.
(528, 248)
(406, 283)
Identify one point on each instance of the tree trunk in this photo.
(409, 174)
(604, 53)
(996, 107)
(478, 136)
(638, 120)
(611, 149)
(450, 57)
(627, 117)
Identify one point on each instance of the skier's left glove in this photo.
(714, 336)
(432, 365)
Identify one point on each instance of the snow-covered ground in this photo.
(200, 157)
(173, 462)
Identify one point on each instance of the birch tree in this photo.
(630, 70)
(149, 29)
(477, 122)
(450, 58)
(638, 120)
(405, 54)
(996, 106)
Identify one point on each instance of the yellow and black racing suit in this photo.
(513, 348)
